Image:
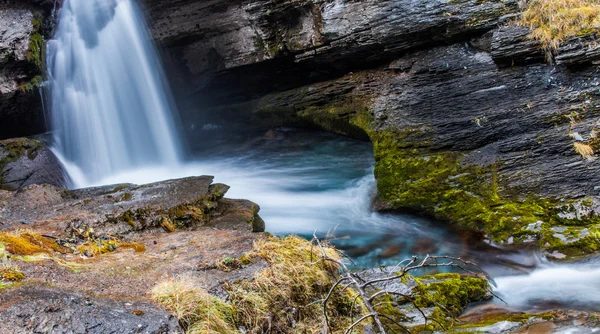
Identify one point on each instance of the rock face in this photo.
(23, 25)
(233, 50)
(24, 162)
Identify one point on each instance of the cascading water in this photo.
(110, 106)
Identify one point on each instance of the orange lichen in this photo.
(28, 243)
(138, 248)
(11, 274)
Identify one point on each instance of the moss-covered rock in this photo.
(414, 176)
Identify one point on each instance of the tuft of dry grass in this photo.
(283, 298)
(555, 21)
(585, 150)
(198, 312)
(294, 279)
(137, 247)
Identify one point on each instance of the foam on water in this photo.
(571, 285)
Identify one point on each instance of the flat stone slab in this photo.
(123, 208)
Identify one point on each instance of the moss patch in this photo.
(496, 318)
(448, 294)
(413, 177)
(10, 274)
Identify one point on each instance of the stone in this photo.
(127, 208)
(24, 162)
(557, 255)
(44, 309)
(511, 46)
(225, 50)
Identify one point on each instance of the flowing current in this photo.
(112, 119)
(110, 106)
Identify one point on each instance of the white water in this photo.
(567, 285)
(109, 104)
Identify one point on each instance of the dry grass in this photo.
(198, 312)
(585, 150)
(284, 298)
(101, 246)
(555, 21)
(292, 281)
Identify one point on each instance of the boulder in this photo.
(25, 161)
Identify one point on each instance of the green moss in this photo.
(579, 241)
(511, 317)
(448, 294)
(413, 178)
(344, 118)
(32, 85)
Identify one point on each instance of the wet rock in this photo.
(493, 320)
(511, 123)
(126, 208)
(431, 292)
(43, 309)
(21, 67)
(24, 162)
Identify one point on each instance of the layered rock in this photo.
(23, 25)
(124, 209)
(486, 146)
(233, 50)
(85, 260)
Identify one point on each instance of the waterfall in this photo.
(110, 106)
